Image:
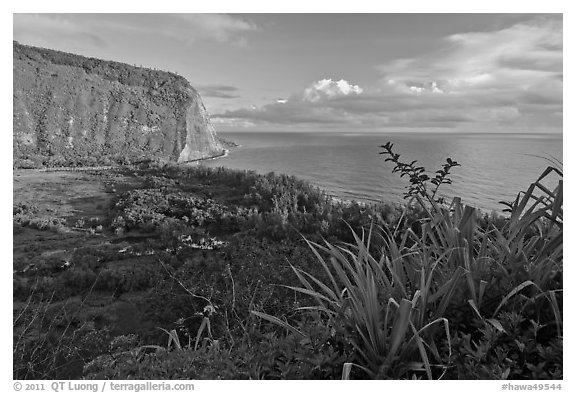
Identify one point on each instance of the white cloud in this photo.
(419, 88)
(327, 88)
(508, 79)
(511, 58)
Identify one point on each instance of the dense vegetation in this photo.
(162, 82)
(236, 275)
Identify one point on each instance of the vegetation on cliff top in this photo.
(110, 70)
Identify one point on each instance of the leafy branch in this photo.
(417, 175)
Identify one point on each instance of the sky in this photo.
(472, 72)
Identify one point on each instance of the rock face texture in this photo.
(74, 110)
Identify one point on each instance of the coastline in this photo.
(224, 153)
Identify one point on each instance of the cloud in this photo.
(327, 88)
(513, 57)
(218, 91)
(508, 79)
(76, 30)
(216, 27)
(46, 29)
(188, 28)
(309, 107)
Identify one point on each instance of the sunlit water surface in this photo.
(347, 165)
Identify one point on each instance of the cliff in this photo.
(74, 110)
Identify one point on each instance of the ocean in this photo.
(494, 167)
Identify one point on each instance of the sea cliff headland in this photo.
(71, 110)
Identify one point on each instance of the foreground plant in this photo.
(400, 294)
(417, 175)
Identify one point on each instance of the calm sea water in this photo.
(348, 166)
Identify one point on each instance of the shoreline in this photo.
(224, 153)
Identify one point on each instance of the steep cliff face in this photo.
(73, 110)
